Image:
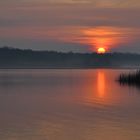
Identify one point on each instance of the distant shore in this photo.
(59, 68)
(13, 58)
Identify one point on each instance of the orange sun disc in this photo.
(101, 51)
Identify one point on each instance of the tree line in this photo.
(27, 58)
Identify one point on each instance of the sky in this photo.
(71, 25)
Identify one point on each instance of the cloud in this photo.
(64, 21)
(94, 3)
(93, 36)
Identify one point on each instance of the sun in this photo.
(101, 51)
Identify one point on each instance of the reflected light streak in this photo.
(95, 88)
(101, 84)
(100, 89)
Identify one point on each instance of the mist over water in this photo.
(66, 105)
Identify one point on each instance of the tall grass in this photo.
(130, 79)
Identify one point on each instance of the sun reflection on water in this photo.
(101, 84)
(100, 89)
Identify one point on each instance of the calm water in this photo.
(67, 105)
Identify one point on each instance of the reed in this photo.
(130, 79)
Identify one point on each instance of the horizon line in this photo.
(93, 52)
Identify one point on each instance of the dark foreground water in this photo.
(67, 105)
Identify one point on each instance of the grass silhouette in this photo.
(130, 79)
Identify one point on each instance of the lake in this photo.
(67, 105)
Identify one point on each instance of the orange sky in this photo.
(71, 25)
